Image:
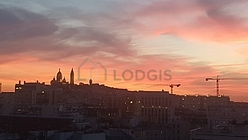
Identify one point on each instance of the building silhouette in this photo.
(72, 77)
(59, 80)
(59, 76)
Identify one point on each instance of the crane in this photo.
(217, 79)
(170, 85)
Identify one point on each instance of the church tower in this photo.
(59, 76)
(72, 77)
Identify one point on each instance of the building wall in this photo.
(153, 134)
(230, 132)
(94, 136)
(157, 107)
(222, 115)
(197, 102)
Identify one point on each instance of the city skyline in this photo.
(60, 80)
(194, 39)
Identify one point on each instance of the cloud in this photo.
(21, 24)
(104, 40)
(35, 35)
(195, 20)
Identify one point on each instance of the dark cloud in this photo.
(8, 18)
(217, 3)
(167, 8)
(216, 11)
(224, 19)
(56, 47)
(106, 41)
(33, 34)
(21, 24)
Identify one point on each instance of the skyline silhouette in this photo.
(169, 87)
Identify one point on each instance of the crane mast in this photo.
(217, 84)
(217, 79)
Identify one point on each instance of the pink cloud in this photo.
(204, 21)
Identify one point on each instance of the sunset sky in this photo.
(194, 39)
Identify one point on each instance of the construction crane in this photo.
(170, 85)
(217, 79)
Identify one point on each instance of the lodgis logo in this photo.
(93, 69)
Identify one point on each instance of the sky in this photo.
(130, 43)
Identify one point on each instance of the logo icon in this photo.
(92, 68)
